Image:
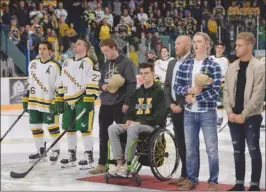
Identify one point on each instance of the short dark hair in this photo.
(164, 48)
(86, 43)
(48, 44)
(219, 43)
(108, 42)
(147, 65)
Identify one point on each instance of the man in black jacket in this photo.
(175, 102)
(113, 103)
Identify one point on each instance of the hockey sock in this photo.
(72, 140)
(87, 141)
(38, 135)
(54, 133)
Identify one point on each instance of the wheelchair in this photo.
(158, 150)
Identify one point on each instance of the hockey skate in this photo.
(54, 156)
(33, 157)
(70, 161)
(87, 162)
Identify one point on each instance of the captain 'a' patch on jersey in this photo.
(43, 84)
(79, 77)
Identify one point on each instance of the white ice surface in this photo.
(19, 144)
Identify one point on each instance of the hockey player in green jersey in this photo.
(80, 81)
(44, 88)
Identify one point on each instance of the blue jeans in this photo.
(249, 131)
(193, 121)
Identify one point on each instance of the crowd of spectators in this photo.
(137, 25)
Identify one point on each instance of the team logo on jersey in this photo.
(65, 64)
(33, 66)
(48, 70)
(49, 118)
(82, 65)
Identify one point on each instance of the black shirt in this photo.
(240, 87)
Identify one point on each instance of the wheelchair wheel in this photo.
(163, 155)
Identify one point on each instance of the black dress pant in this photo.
(107, 115)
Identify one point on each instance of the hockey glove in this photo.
(25, 100)
(59, 104)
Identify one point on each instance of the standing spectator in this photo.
(243, 101)
(22, 14)
(133, 15)
(62, 26)
(126, 16)
(99, 13)
(142, 16)
(117, 11)
(13, 33)
(113, 105)
(109, 17)
(60, 11)
(6, 17)
(36, 26)
(53, 24)
(133, 56)
(262, 34)
(104, 30)
(233, 13)
(205, 11)
(200, 110)
(219, 13)
(131, 4)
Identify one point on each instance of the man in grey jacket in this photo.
(243, 101)
(113, 104)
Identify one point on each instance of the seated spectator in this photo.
(143, 115)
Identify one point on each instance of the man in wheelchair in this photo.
(147, 110)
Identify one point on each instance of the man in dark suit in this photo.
(175, 102)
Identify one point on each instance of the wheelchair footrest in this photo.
(136, 176)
